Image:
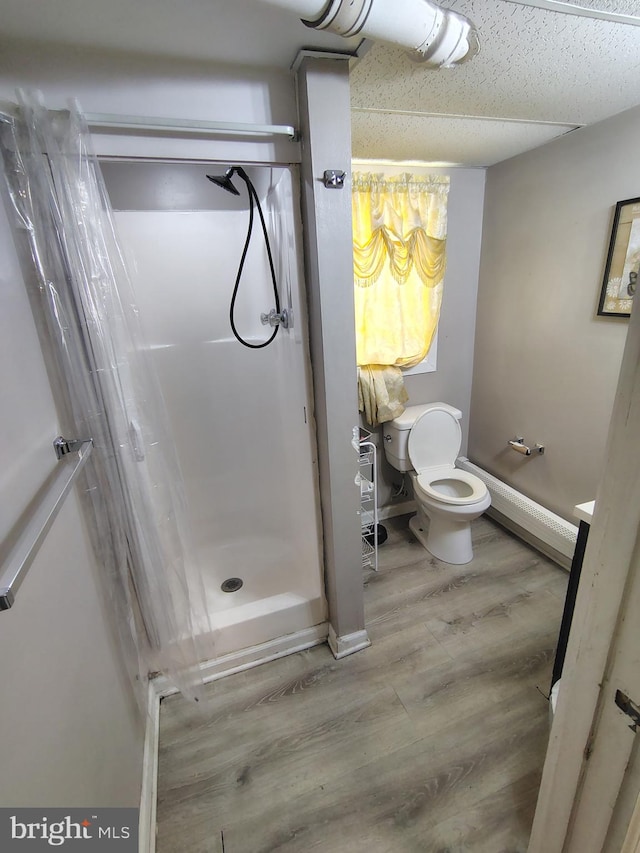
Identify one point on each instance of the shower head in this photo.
(224, 181)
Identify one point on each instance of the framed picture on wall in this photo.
(623, 261)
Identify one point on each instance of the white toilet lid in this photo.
(434, 440)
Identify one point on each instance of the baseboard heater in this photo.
(542, 529)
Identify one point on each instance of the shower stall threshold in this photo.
(260, 621)
(247, 658)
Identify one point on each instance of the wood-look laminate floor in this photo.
(432, 740)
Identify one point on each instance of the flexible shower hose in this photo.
(253, 196)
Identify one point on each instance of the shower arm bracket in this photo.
(273, 318)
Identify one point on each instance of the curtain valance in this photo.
(400, 220)
(426, 254)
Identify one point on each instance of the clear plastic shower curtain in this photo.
(132, 489)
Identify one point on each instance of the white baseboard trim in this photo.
(348, 644)
(265, 652)
(149, 789)
(234, 662)
(393, 510)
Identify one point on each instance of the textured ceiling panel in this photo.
(533, 64)
(468, 142)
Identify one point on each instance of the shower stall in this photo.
(241, 418)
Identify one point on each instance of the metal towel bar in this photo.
(28, 542)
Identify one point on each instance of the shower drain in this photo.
(231, 584)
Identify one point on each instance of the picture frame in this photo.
(623, 261)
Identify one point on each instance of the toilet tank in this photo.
(395, 433)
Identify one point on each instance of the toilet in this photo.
(425, 441)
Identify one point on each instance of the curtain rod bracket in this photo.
(334, 179)
(63, 446)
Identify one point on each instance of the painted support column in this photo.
(325, 125)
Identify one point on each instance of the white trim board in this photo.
(149, 788)
(290, 644)
(610, 565)
(347, 644)
(252, 656)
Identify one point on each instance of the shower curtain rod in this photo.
(195, 126)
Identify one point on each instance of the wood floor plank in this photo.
(431, 740)
(432, 588)
(395, 803)
(482, 619)
(478, 682)
(498, 823)
(300, 754)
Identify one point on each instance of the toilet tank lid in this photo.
(407, 419)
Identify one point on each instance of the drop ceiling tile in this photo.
(533, 64)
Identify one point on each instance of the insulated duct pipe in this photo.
(438, 37)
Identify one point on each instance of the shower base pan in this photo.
(256, 622)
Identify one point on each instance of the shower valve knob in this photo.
(274, 319)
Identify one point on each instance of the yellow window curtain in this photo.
(399, 242)
(399, 247)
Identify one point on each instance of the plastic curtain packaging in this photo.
(107, 390)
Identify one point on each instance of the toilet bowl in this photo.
(425, 441)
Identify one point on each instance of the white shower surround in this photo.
(242, 419)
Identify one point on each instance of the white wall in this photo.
(71, 734)
(122, 83)
(451, 381)
(546, 366)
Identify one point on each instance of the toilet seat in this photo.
(433, 446)
(426, 481)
